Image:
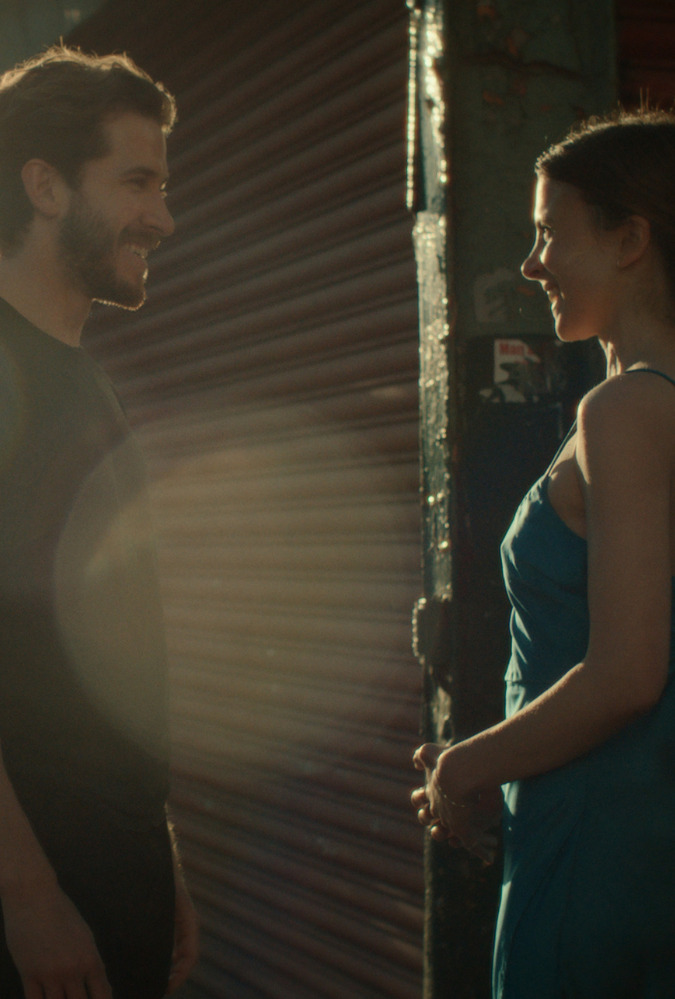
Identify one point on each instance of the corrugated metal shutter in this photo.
(273, 380)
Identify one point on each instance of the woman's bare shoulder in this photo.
(626, 428)
(633, 402)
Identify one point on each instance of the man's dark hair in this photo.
(53, 107)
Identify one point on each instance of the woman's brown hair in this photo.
(622, 165)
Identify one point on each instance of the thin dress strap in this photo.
(649, 371)
(572, 429)
(562, 444)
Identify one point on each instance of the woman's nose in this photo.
(531, 267)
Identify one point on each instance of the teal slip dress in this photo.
(588, 896)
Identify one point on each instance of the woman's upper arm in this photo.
(625, 458)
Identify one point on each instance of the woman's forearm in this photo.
(578, 713)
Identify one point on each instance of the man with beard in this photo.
(93, 902)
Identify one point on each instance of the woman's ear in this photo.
(45, 187)
(635, 237)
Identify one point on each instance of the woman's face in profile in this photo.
(574, 261)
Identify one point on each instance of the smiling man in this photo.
(93, 902)
(117, 214)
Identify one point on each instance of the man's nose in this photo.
(160, 218)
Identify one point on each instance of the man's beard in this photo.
(89, 246)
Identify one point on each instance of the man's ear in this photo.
(45, 187)
(636, 235)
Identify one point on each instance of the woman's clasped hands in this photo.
(470, 823)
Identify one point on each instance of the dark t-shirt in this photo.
(83, 703)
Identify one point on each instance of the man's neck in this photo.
(34, 287)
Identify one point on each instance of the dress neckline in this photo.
(544, 480)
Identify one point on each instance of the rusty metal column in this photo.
(492, 82)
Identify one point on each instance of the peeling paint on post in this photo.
(427, 184)
(492, 82)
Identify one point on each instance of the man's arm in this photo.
(186, 935)
(51, 945)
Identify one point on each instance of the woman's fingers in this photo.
(458, 825)
(424, 816)
(419, 797)
(426, 756)
(440, 834)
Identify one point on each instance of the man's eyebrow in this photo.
(149, 172)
